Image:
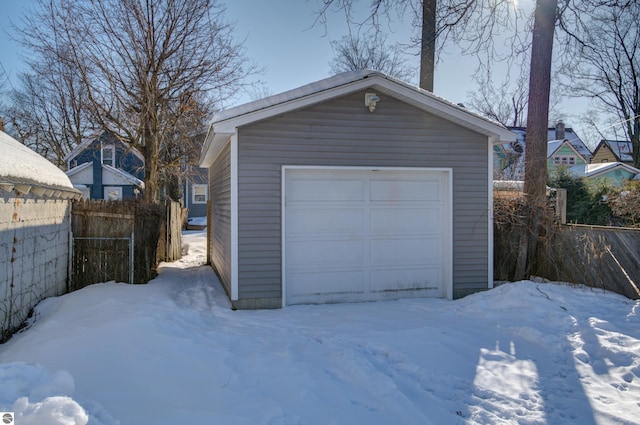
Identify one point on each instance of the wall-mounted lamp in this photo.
(370, 100)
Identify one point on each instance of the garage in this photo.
(361, 234)
(357, 187)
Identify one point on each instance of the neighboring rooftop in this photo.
(623, 149)
(20, 165)
(558, 133)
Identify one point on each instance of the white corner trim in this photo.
(234, 217)
(283, 260)
(490, 244)
(449, 272)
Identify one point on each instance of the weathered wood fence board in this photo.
(600, 257)
(120, 241)
(170, 242)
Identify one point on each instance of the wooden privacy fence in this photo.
(600, 257)
(102, 247)
(170, 243)
(121, 241)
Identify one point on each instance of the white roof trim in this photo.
(23, 186)
(593, 170)
(109, 169)
(227, 122)
(77, 169)
(130, 178)
(562, 143)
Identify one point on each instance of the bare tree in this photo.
(602, 59)
(353, 53)
(535, 166)
(506, 103)
(48, 109)
(4, 80)
(142, 62)
(473, 24)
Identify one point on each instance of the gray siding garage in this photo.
(315, 197)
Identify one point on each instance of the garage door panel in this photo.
(407, 220)
(398, 190)
(427, 280)
(306, 285)
(321, 190)
(322, 221)
(410, 251)
(358, 234)
(303, 254)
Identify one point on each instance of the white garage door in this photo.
(357, 235)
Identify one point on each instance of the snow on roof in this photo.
(570, 136)
(21, 165)
(622, 148)
(590, 170)
(553, 146)
(512, 185)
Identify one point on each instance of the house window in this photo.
(564, 160)
(199, 193)
(108, 155)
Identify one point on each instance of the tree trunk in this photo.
(535, 180)
(428, 45)
(150, 168)
(635, 142)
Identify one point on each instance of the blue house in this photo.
(105, 167)
(196, 192)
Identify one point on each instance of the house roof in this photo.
(569, 135)
(24, 170)
(109, 169)
(593, 170)
(225, 123)
(89, 140)
(554, 145)
(622, 149)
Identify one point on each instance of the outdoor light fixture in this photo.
(370, 100)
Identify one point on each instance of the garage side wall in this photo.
(34, 255)
(220, 220)
(342, 132)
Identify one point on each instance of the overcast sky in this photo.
(280, 36)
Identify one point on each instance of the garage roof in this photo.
(23, 170)
(225, 123)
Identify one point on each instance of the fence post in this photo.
(561, 205)
(131, 255)
(71, 259)
(209, 230)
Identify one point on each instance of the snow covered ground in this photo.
(172, 352)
